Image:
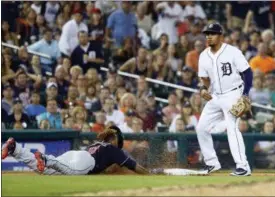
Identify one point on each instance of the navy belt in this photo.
(231, 90)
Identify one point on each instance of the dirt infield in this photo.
(250, 189)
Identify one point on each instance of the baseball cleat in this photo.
(241, 172)
(40, 161)
(8, 148)
(210, 169)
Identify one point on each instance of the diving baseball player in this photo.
(98, 157)
(225, 69)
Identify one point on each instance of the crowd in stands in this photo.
(159, 40)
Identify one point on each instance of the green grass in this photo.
(34, 185)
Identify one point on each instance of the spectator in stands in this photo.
(35, 108)
(148, 118)
(267, 36)
(260, 12)
(41, 26)
(112, 115)
(182, 48)
(8, 36)
(92, 76)
(73, 98)
(21, 60)
(190, 121)
(96, 26)
(104, 94)
(99, 124)
(82, 85)
(252, 47)
(79, 115)
(270, 86)
(235, 13)
(21, 87)
(153, 107)
(169, 17)
(140, 65)
(173, 60)
(128, 102)
(92, 103)
(180, 97)
(51, 10)
(192, 57)
(44, 125)
(266, 149)
(195, 34)
(7, 99)
(272, 48)
(6, 66)
(142, 88)
(171, 110)
(88, 53)
(52, 115)
(187, 79)
(35, 66)
(62, 83)
(111, 84)
(243, 126)
(69, 37)
(67, 64)
(161, 68)
(47, 46)
(66, 12)
(68, 123)
(25, 26)
(125, 52)
(163, 47)
(144, 21)
(17, 116)
(193, 9)
(258, 94)
(119, 93)
(75, 71)
(121, 23)
(126, 127)
(52, 94)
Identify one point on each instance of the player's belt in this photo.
(231, 90)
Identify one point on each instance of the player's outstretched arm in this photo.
(141, 170)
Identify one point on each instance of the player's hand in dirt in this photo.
(206, 95)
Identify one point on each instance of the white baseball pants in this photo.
(216, 111)
(70, 163)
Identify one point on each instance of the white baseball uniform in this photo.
(69, 163)
(223, 68)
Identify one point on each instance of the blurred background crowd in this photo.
(159, 40)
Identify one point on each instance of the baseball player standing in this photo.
(225, 69)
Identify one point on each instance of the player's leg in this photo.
(23, 155)
(235, 138)
(211, 116)
(70, 163)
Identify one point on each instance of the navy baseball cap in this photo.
(215, 28)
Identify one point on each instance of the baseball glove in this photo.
(242, 106)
